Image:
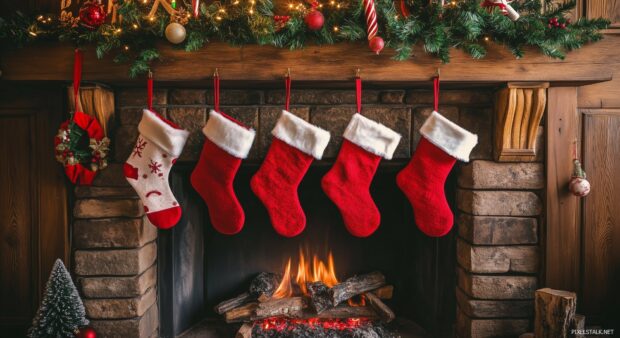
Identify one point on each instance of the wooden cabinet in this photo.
(608, 9)
(33, 202)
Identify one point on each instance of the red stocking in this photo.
(227, 143)
(423, 179)
(348, 182)
(296, 143)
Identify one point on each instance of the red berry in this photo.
(563, 26)
(549, 25)
(568, 21)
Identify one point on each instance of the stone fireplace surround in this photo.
(497, 221)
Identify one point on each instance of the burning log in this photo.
(265, 284)
(262, 286)
(384, 292)
(240, 314)
(245, 331)
(232, 303)
(320, 296)
(384, 311)
(291, 307)
(346, 311)
(355, 286)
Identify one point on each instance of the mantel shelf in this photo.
(53, 62)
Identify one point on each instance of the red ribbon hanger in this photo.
(358, 91)
(149, 91)
(287, 86)
(436, 90)
(216, 91)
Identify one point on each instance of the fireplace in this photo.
(476, 281)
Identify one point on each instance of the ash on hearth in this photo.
(320, 328)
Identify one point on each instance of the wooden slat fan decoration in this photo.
(96, 101)
(519, 110)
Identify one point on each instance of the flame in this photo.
(307, 272)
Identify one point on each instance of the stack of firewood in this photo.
(321, 302)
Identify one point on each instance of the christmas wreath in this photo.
(81, 146)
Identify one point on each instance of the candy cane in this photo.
(196, 7)
(371, 18)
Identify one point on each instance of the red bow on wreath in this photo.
(80, 144)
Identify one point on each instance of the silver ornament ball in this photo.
(175, 33)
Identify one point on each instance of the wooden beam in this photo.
(563, 230)
(555, 310)
(54, 61)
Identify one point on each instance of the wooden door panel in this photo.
(15, 205)
(33, 202)
(601, 217)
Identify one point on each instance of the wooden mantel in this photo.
(53, 62)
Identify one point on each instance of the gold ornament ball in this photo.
(175, 33)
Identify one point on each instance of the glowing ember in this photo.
(284, 324)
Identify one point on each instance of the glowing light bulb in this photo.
(251, 11)
(336, 29)
(126, 47)
(134, 26)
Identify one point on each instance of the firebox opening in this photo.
(200, 267)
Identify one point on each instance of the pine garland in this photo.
(464, 25)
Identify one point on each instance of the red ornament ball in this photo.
(376, 44)
(86, 332)
(314, 20)
(92, 15)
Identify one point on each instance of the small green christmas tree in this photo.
(62, 310)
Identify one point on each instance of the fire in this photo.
(307, 272)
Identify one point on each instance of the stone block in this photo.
(420, 114)
(494, 175)
(392, 96)
(237, 97)
(334, 120)
(99, 208)
(497, 230)
(479, 121)
(451, 97)
(117, 308)
(139, 327)
(468, 327)
(136, 97)
(112, 233)
(187, 96)
(499, 203)
(119, 287)
(112, 176)
(268, 117)
(497, 259)
(125, 262)
(497, 287)
(397, 119)
(124, 142)
(494, 308)
(192, 119)
(322, 96)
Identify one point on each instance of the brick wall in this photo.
(115, 249)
